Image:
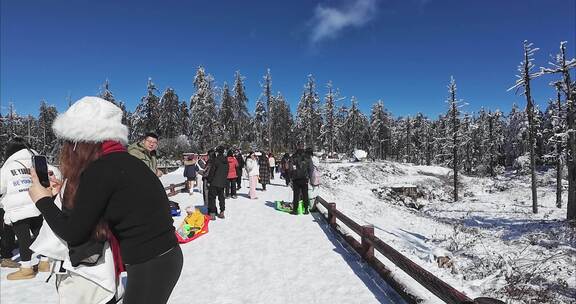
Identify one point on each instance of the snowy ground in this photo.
(499, 248)
(255, 255)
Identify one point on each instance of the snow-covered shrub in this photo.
(522, 164)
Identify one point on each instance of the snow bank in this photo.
(499, 248)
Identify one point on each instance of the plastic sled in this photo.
(287, 207)
(199, 233)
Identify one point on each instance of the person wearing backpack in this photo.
(300, 174)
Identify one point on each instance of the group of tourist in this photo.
(106, 211)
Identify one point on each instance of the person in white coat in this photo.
(253, 172)
(20, 211)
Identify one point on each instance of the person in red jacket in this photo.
(232, 175)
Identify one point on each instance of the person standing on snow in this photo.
(217, 181)
(112, 195)
(285, 168)
(145, 151)
(190, 172)
(200, 167)
(299, 175)
(252, 170)
(241, 164)
(20, 212)
(264, 170)
(232, 175)
(272, 165)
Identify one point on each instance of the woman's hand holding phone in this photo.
(37, 191)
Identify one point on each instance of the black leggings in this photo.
(22, 229)
(152, 282)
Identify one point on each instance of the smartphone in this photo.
(40, 165)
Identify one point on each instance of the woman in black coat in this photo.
(264, 170)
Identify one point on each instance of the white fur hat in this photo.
(91, 119)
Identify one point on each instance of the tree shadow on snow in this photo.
(379, 288)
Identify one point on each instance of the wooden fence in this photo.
(369, 242)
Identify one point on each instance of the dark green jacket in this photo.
(137, 150)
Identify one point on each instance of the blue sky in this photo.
(400, 51)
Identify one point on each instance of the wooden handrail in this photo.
(366, 247)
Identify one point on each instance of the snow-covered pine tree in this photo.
(419, 131)
(554, 130)
(494, 142)
(241, 115)
(32, 134)
(259, 125)
(516, 133)
(203, 112)
(379, 130)
(356, 127)
(267, 92)
(106, 94)
(455, 133)
(282, 124)
(467, 130)
(169, 114)
(328, 129)
(146, 117)
(184, 119)
(408, 140)
(563, 66)
(226, 117)
(523, 82)
(46, 137)
(308, 118)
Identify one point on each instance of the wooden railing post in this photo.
(172, 189)
(367, 245)
(332, 215)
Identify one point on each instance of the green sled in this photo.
(287, 207)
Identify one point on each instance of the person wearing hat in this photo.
(145, 150)
(111, 195)
(217, 179)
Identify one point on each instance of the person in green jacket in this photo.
(145, 151)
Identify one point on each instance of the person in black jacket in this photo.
(217, 178)
(109, 191)
(299, 174)
(241, 164)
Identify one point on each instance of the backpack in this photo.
(300, 167)
(314, 176)
(174, 208)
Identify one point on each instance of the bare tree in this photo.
(563, 66)
(454, 116)
(523, 81)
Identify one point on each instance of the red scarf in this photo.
(111, 146)
(108, 147)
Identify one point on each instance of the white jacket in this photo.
(102, 274)
(252, 167)
(15, 180)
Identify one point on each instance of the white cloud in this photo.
(329, 21)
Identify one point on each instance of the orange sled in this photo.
(185, 236)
